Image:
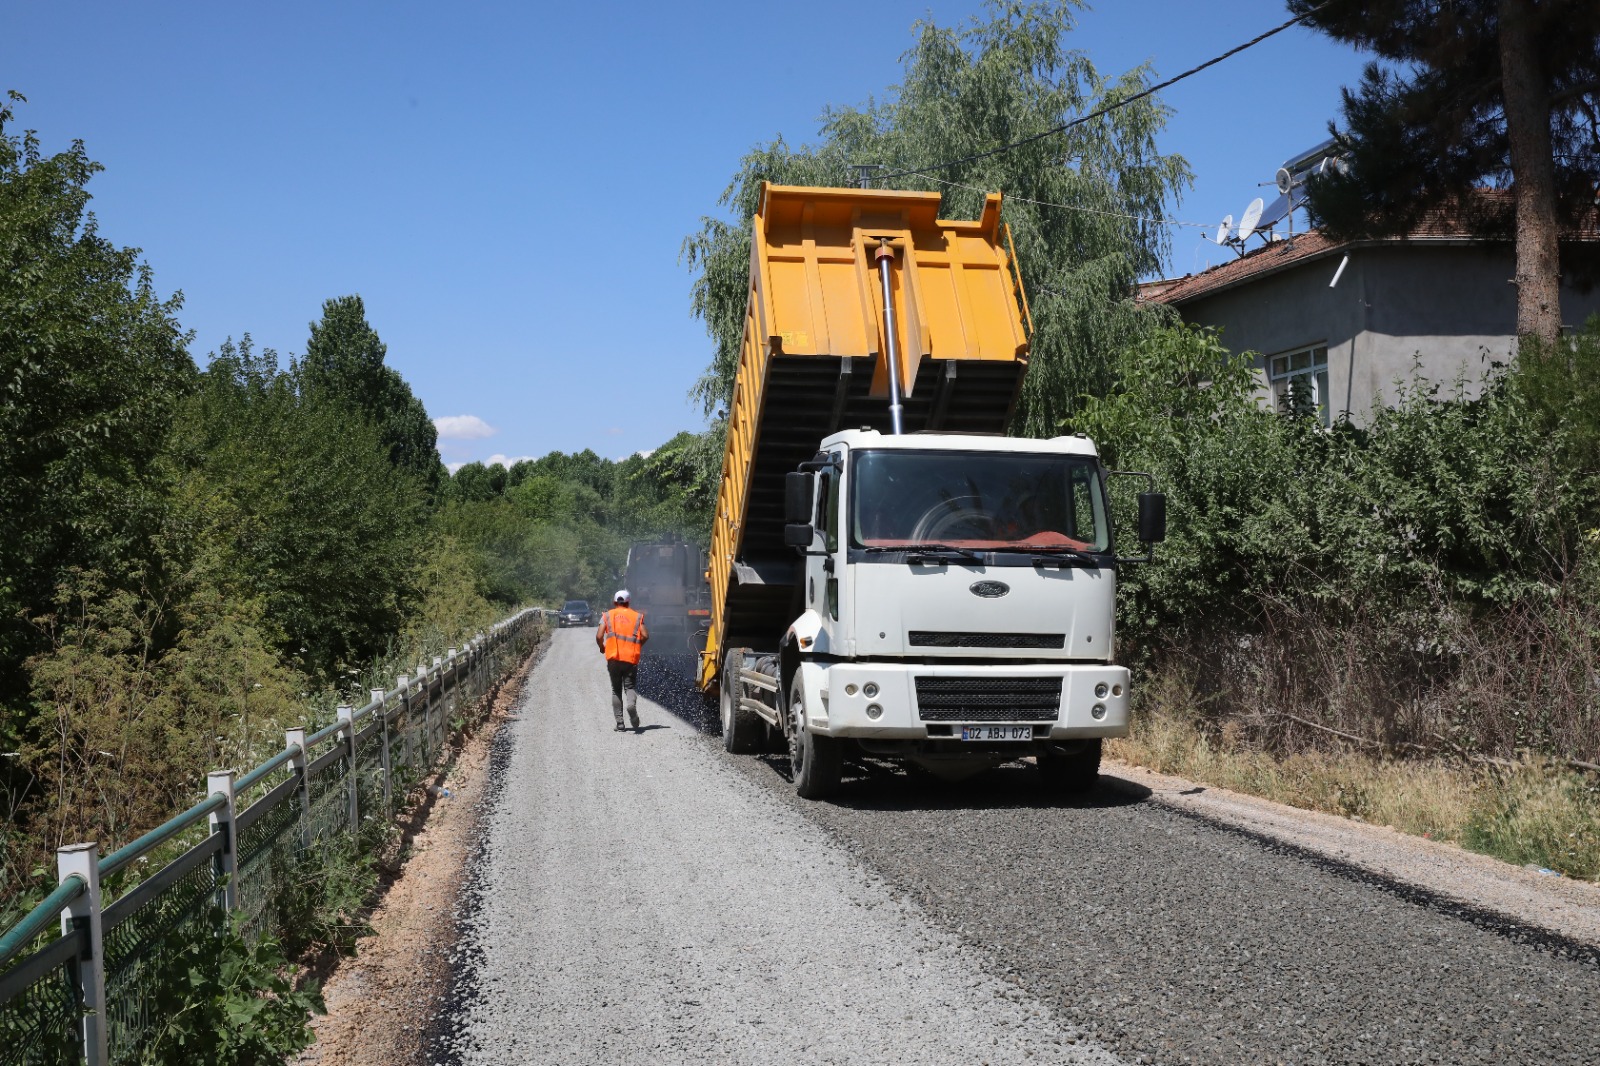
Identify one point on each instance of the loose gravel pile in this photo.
(640, 901)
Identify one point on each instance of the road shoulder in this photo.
(381, 1001)
(1561, 907)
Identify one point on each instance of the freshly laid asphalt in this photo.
(649, 898)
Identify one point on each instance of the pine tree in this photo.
(1467, 95)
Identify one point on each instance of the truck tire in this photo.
(816, 762)
(742, 731)
(1076, 774)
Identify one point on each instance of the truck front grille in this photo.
(988, 699)
(924, 638)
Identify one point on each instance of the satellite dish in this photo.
(1252, 215)
(1284, 179)
(1223, 227)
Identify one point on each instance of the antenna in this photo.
(1222, 229)
(1252, 215)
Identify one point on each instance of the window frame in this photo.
(1279, 383)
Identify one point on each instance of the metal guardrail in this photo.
(81, 998)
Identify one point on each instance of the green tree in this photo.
(344, 361)
(305, 509)
(1085, 206)
(476, 483)
(1468, 95)
(92, 363)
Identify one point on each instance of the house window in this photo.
(1300, 379)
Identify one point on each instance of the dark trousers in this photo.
(624, 676)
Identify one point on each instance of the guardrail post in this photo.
(383, 725)
(453, 707)
(404, 685)
(480, 655)
(435, 710)
(478, 686)
(347, 715)
(425, 691)
(299, 763)
(220, 783)
(83, 913)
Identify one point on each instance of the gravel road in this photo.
(642, 901)
(647, 898)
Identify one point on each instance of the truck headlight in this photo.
(1100, 690)
(870, 690)
(1098, 711)
(874, 711)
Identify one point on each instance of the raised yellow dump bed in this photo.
(812, 362)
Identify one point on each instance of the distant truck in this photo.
(667, 581)
(890, 576)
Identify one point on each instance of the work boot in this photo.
(635, 724)
(619, 728)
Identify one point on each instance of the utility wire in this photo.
(1064, 127)
(1065, 207)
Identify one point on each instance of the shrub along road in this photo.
(648, 898)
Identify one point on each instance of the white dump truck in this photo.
(891, 576)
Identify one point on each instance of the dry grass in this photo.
(1438, 721)
(1534, 813)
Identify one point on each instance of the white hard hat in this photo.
(621, 596)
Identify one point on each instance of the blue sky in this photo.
(507, 185)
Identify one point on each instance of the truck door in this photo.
(823, 566)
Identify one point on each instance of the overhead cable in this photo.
(1065, 207)
(1064, 127)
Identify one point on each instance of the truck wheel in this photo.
(1076, 774)
(742, 730)
(816, 762)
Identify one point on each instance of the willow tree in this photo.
(1085, 205)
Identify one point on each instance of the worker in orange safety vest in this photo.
(621, 637)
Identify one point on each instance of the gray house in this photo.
(1349, 319)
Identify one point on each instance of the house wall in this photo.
(1444, 312)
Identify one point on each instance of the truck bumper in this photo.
(1093, 699)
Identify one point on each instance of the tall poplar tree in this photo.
(1467, 95)
(344, 362)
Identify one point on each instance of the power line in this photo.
(1065, 207)
(1064, 127)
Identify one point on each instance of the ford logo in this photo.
(989, 590)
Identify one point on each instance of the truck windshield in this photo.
(576, 605)
(985, 501)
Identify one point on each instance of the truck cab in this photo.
(958, 601)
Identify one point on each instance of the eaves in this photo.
(1325, 253)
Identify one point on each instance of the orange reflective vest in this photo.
(622, 634)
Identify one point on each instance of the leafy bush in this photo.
(226, 1000)
(326, 897)
(1425, 581)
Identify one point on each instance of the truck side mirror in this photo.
(798, 534)
(1152, 517)
(799, 487)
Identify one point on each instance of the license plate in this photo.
(997, 732)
